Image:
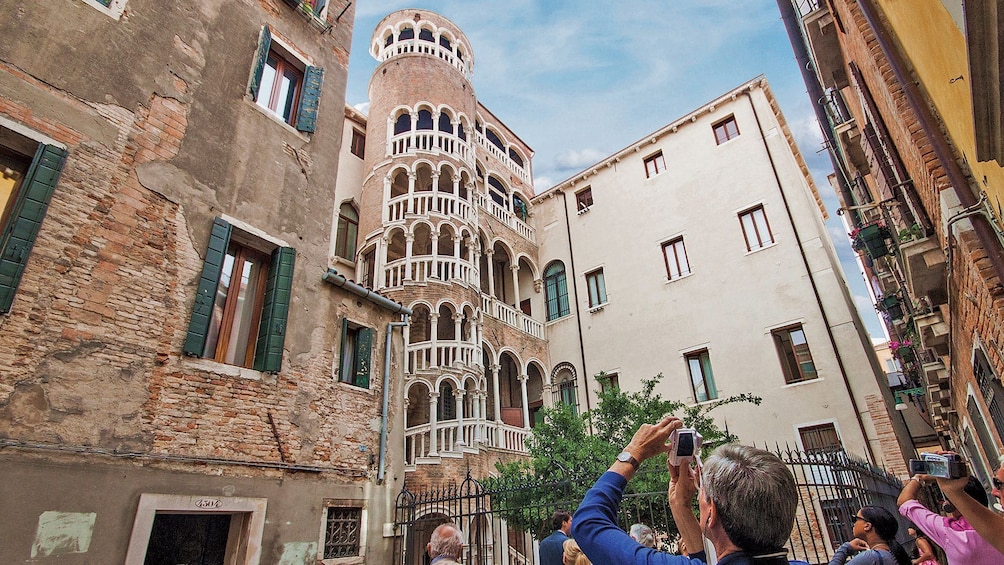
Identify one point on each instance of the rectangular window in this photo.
(726, 130)
(285, 86)
(654, 165)
(358, 147)
(820, 439)
(610, 382)
(597, 288)
(675, 256)
(584, 199)
(357, 344)
(756, 230)
(240, 310)
(992, 391)
(702, 380)
(796, 360)
(342, 532)
(28, 174)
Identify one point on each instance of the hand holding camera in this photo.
(684, 445)
(941, 466)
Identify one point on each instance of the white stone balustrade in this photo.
(449, 433)
(509, 219)
(416, 45)
(521, 172)
(432, 141)
(511, 316)
(425, 203)
(426, 267)
(446, 354)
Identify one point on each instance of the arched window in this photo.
(566, 392)
(406, 33)
(519, 207)
(447, 407)
(460, 131)
(445, 42)
(494, 139)
(496, 191)
(424, 120)
(555, 290)
(426, 35)
(348, 230)
(444, 123)
(402, 124)
(389, 40)
(515, 157)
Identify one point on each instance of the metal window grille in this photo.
(341, 532)
(991, 389)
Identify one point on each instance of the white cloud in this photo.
(363, 108)
(572, 159)
(540, 184)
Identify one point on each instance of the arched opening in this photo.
(447, 407)
(422, 245)
(486, 362)
(399, 186)
(445, 179)
(526, 291)
(406, 33)
(555, 290)
(424, 120)
(418, 405)
(423, 178)
(426, 35)
(420, 535)
(497, 191)
(347, 232)
(420, 324)
(446, 329)
(565, 389)
(519, 207)
(402, 124)
(494, 139)
(503, 275)
(465, 179)
(445, 122)
(516, 158)
(483, 266)
(444, 247)
(535, 393)
(510, 391)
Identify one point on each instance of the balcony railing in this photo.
(416, 45)
(418, 439)
(506, 217)
(511, 316)
(432, 141)
(425, 268)
(445, 355)
(521, 172)
(425, 203)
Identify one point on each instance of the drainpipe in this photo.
(984, 231)
(386, 395)
(815, 91)
(812, 283)
(578, 314)
(332, 277)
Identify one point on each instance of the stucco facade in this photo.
(148, 408)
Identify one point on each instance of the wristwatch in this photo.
(626, 457)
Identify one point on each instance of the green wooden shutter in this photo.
(264, 44)
(26, 217)
(275, 311)
(202, 310)
(306, 119)
(341, 350)
(364, 344)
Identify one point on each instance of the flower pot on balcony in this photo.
(873, 239)
(892, 306)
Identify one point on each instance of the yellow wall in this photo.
(937, 49)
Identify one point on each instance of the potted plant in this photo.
(903, 350)
(892, 306)
(872, 238)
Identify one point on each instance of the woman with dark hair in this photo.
(923, 551)
(874, 540)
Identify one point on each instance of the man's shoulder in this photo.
(556, 535)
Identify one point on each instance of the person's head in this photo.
(974, 489)
(447, 539)
(876, 525)
(998, 482)
(750, 495)
(570, 553)
(643, 535)
(562, 520)
(582, 560)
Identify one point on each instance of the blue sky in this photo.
(578, 81)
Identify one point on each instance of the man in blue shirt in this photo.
(551, 548)
(747, 504)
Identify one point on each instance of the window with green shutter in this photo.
(26, 187)
(284, 85)
(242, 301)
(355, 356)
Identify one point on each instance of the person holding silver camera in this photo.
(956, 536)
(747, 501)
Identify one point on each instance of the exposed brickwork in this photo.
(885, 434)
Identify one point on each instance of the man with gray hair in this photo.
(642, 534)
(747, 505)
(446, 545)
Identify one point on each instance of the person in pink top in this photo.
(962, 545)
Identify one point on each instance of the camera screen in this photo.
(938, 468)
(685, 445)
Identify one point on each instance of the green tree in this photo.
(565, 459)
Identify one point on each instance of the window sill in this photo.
(350, 267)
(582, 211)
(304, 137)
(357, 560)
(598, 307)
(355, 388)
(706, 402)
(224, 370)
(681, 277)
(801, 383)
(559, 319)
(758, 249)
(113, 10)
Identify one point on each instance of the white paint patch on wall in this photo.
(62, 533)
(298, 553)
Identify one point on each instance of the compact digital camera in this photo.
(683, 445)
(948, 466)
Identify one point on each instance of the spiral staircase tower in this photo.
(446, 228)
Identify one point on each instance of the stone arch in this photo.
(444, 241)
(396, 244)
(417, 394)
(422, 244)
(398, 178)
(446, 329)
(423, 175)
(420, 329)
